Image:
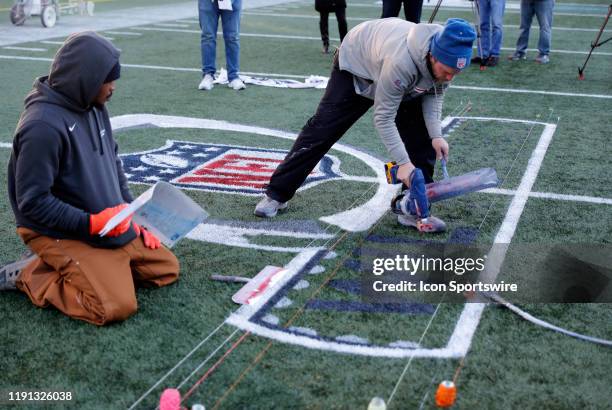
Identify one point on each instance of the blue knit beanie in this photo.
(453, 45)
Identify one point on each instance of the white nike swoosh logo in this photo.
(73, 127)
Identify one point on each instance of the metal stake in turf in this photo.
(596, 43)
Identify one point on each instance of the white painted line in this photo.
(496, 119)
(600, 53)
(514, 90)
(335, 346)
(4, 57)
(108, 38)
(53, 42)
(240, 237)
(219, 33)
(24, 48)
(356, 178)
(460, 87)
(466, 7)
(241, 319)
(175, 25)
(554, 196)
(123, 33)
(314, 38)
(465, 328)
(360, 19)
(6, 145)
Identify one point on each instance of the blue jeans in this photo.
(209, 21)
(491, 27)
(543, 9)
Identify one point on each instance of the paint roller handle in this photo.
(223, 278)
(444, 170)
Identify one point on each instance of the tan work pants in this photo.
(96, 285)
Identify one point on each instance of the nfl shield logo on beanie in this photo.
(453, 45)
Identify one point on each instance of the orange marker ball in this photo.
(446, 394)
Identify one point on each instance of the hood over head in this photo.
(80, 68)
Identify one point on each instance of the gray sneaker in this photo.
(10, 272)
(542, 59)
(268, 207)
(430, 224)
(517, 56)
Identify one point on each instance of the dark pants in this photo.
(412, 9)
(324, 27)
(338, 110)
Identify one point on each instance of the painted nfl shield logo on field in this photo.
(216, 167)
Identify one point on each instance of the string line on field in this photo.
(216, 365)
(164, 377)
(511, 167)
(463, 359)
(207, 374)
(262, 353)
(401, 377)
(479, 227)
(210, 356)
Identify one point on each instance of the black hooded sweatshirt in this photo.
(65, 164)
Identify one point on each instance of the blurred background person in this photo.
(209, 13)
(543, 9)
(491, 13)
(324, 7)
(412, 9)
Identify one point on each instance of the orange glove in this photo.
(151, 241)
(97, 221)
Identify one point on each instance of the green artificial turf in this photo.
(510, 364)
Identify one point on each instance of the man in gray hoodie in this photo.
(400, 68)
(65, 181)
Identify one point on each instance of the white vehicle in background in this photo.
(48, 10)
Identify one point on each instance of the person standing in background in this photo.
(209, 13)
(543, 9)
(491, 22)
(324, 7)
(412, 9)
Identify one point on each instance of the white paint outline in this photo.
(460, 340)
(356, 219)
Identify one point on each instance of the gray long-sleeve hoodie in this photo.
(388, 58)
(64, 165)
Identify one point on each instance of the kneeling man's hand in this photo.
(151, 241)
(99, 220)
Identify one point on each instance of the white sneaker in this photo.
(206, 83)
(236, 84)
(430, 224)
(10, 272)
(268, 207)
